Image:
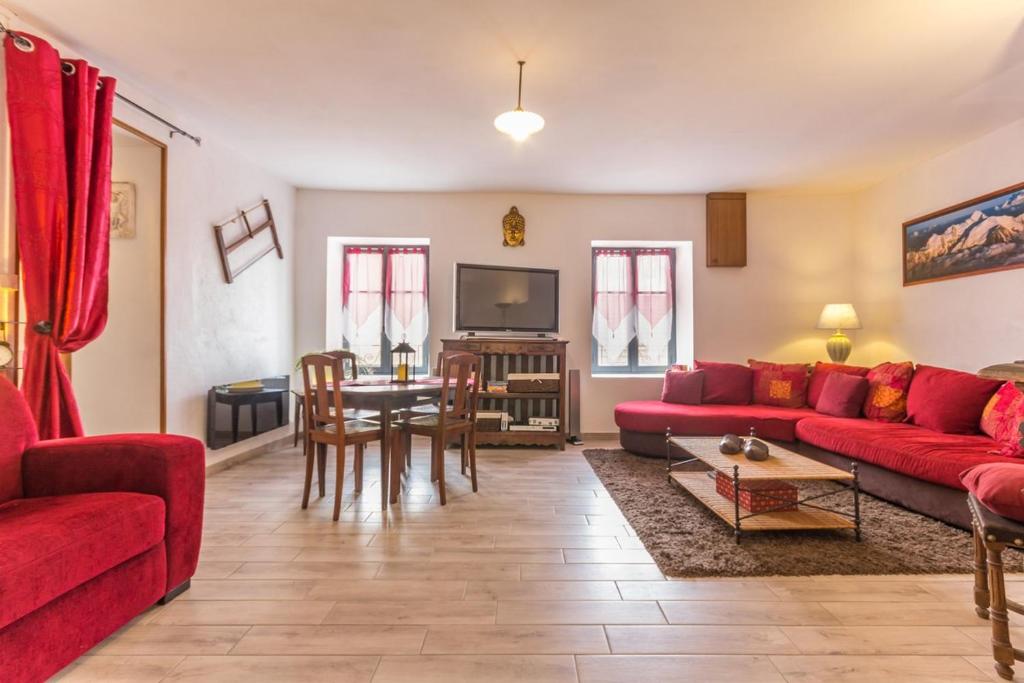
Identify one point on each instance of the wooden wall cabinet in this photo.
(727, 229)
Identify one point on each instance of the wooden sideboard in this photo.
(502, 356)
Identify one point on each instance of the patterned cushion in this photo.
(1002, 419)
(887, 392)
(779, 384)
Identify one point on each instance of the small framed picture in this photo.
(122, 211)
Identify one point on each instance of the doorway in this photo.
(120, 378)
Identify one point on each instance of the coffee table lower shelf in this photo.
(806, 518)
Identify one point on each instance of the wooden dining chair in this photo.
(327, 425)
(460, 375)
(347, 360)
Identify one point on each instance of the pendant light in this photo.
(519, 124)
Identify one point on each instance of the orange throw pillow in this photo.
(779, 384)
(888, 384)
(1002, 419)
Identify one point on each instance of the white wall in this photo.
(215, 332)
(965, 323)
(799, 259)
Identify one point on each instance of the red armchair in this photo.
(93, 531)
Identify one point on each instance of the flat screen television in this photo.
(503, 299)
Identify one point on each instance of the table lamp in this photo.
(838, 317)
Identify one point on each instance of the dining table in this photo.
(385, 398)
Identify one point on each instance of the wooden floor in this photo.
(536, 578)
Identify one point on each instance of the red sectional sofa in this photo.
(93, 531)
(903, 463)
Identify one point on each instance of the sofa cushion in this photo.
(1002, 419)
(17, 433)
(50, 545)
(654, 417)
(821, 372)
(779, 384)
(908, 449)
(843, 395)
(887, 393)
(728, 383)
(948, 401)
(681, 386)
(998, 486)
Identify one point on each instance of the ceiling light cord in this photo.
(519, 99)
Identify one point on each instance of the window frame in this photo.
(633, 366)
(423, 367)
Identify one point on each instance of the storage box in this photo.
(533, 382)
(758, 496)
(491, 420)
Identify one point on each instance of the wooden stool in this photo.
(992, 534)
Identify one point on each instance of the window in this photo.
(384, 302)
(634, 309)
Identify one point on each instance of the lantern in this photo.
(403, 363)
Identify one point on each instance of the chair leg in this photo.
(1002, 650)
(397, 459)
(339, 480)
(471, 438)
(321, 467)
(982, 599)
(439, 455)
(309, 475)
(357, 466)
(463, 444)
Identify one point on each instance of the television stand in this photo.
(505, 355)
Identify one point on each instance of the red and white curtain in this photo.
(633, 299)
(406, 316)
(614, 303)
(653, 305)
(384, 294)
(362, 297)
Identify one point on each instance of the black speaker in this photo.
(574, 431)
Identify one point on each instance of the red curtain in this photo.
(60, 113)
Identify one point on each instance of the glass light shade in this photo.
(519, 124)
(838, 317)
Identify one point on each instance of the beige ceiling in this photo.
(646, 96)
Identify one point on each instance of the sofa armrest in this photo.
(172, 467)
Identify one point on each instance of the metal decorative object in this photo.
(730, 445)
(755, 450)
(513, 227)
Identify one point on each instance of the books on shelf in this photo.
(497, 387)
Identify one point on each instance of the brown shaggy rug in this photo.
(687, 539)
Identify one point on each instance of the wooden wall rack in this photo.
(248, 235)
(502, 356)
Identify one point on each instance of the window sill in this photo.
(627, 375)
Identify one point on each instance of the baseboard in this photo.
(267, 442)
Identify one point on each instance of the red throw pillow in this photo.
(1002, 419)
(843, 395)
(999, 486)
(821, 373)
(948, 401)
(682, 387)
(887, 392)
(726, 383)
(779, 384)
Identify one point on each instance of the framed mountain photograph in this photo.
(981, 235)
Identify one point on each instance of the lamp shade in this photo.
(838, 317)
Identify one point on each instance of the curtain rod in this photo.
(24, 43)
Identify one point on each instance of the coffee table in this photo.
(783, 465)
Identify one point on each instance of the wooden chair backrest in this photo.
(321, 378)
(441, 355)
(460, 372)
(345, 356)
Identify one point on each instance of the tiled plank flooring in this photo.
(536, 578)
